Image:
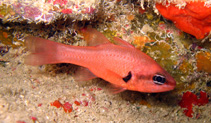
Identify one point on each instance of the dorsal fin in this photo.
(93, 37)
(119, 41)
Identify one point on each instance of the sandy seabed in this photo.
(26, 94)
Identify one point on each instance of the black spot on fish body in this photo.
(128, 77)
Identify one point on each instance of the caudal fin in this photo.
(42, 51)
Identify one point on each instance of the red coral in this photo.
(66, 106)
(189, 98)
(57, 104)
(77, 103)
(194, 19)
(60, 2)
(203, 99)
(33, 118)
(67, 11)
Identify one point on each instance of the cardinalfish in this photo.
(121, 64)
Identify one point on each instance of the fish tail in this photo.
(42, 51)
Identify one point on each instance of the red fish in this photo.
(121, 64)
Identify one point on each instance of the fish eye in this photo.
(159, 79)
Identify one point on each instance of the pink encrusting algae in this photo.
(50, 10)
(47, 11)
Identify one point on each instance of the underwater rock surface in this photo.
(50, 94)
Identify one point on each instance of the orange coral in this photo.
(204, 61)
(141, 40)
(194, 18)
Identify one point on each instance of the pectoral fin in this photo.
(117, 83)
(114, 89)
(83, 74)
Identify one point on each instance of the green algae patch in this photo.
(6, 10)
(161, 52)
(7, 38)
(164, 54)
(186, 67)
(110, 34)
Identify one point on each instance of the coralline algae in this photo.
(47, 11)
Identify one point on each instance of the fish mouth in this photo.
(164, 88)
(169, 87)
(172, 84)
(158, 89)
